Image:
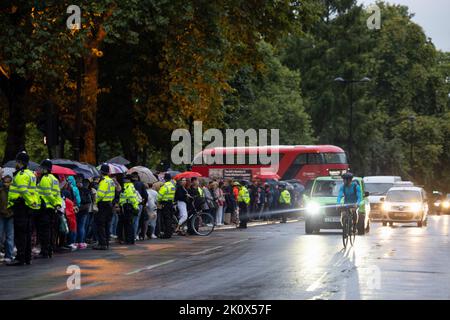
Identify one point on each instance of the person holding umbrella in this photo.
(181, 197)
(102, 219)
(50, 199)
(22, 199)
(142, 216)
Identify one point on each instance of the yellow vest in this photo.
(128, 195)
(49, 191)
(106, 190)
(243, 195)
(167, 192)
(24, 187)
(285, 197)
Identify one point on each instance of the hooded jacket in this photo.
(75, 191)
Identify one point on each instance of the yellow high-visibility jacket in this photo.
(106, 190)
(49, 191)
(24, 187)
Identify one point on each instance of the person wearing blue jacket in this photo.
(351, 192)
(76, 192)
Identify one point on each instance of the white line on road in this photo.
(153, 266)
(206, 250)
(54, 294)
(317, 283)
(236, 242)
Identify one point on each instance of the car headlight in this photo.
(416, 207)
(446, 204)
(313, 208)
(386, 206)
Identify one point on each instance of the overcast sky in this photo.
(432, 15)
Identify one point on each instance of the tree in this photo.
(408, 78)
(269, 98)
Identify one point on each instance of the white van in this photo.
(378, 186)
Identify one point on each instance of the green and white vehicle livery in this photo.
(320, 207)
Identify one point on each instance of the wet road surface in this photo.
(276, 261)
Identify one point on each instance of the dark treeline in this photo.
(138, 69)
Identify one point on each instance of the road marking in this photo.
(153, 266)
(317, 283)
(54, 294)
(206, 250)
(236, 242)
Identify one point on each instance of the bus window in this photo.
(314, 158)
(295, 167)
(334, 157)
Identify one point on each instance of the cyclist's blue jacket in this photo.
(351, 194)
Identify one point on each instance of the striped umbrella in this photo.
(115, 168)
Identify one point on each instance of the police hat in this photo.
(167, 176)
(47, 164)
(104, 168)
(23, 157)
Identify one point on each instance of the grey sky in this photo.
(432, 15)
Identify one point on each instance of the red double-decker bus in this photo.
(303, 163)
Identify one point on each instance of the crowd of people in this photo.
(41, 213)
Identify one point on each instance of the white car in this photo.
(405, 205)
(378, 186)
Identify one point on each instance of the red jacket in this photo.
(70, 215)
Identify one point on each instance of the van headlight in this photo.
(313, 208)
(416, 207)
(446, 204)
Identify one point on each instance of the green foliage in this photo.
(269, 99)
(408, 78)
(35, 144)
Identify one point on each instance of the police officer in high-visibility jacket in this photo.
(243, 201)
(23, 199)
(129, 204)
(102, 219)
(284, 202)
(51, 201)
(165, 201)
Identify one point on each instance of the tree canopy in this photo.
(138, 69)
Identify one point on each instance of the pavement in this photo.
(266, 261)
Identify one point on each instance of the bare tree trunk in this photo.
(15, 90)
(89, 109)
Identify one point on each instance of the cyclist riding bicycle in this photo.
(351, 191)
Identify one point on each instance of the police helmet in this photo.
(23, 157)
(104, 169)
(47, 164)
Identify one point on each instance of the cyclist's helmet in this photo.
(347, 176)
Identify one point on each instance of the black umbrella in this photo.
(82, 169)
(31, 165)
(94, 170)
(119, 160)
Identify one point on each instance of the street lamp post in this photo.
(411, 119)
(350, 125)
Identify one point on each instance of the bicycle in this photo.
(348, 226)
(202, 223)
